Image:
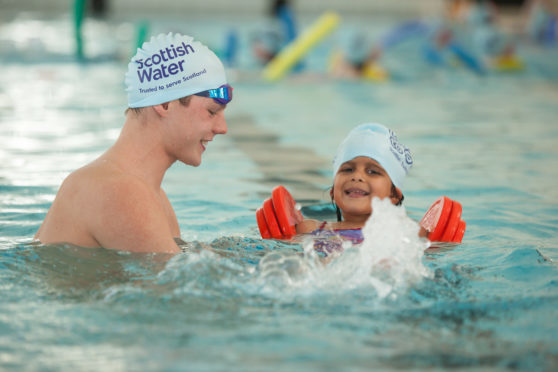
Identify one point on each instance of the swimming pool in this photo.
(248, 304)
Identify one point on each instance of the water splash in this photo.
(387, 262)
(385, 265)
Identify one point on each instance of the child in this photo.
(370, 162)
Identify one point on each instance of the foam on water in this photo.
(388, 261)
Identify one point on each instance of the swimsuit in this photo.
(328, 241)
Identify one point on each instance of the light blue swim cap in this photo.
(358, 49)
(379, 143)
(169, 67)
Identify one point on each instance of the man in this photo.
(177, 93)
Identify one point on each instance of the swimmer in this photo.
(370, 162)
(358, 55)
(266, 44)
(541, 21)
(361, 57)
(177, 94)
(279, 30)
(489, 43)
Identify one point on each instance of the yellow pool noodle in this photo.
(296, 49)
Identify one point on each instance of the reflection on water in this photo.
(296, 166)
(275, 305)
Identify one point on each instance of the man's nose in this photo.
(221, 125)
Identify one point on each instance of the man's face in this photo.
(191, 127)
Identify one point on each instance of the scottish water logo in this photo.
(154, 68)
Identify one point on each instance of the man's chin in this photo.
(193, 163)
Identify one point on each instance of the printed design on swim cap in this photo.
(379, 143)
(154, 67)
(400, 151)
(170, 67)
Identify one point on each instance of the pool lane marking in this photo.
(297, 168)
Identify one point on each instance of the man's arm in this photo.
(131, 217)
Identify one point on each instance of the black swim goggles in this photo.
(221, 95)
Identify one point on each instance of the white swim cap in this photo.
(379, 143)
(169, 67)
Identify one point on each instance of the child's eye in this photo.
(212, 113)
(372, 171)
(347, 169)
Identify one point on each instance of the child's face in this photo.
(356, 182)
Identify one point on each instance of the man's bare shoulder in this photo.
(111, 178)
(124, 211)
(98, 183)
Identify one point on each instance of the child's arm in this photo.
(279, 217)
(307, 226)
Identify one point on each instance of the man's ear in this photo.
(162, 109)
(396, 196)
(331, 193)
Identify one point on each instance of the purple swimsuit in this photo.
(328, 241)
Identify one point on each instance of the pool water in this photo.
(233, 301)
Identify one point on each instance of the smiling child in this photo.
(370, 162)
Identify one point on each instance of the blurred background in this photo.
(123, 8)
(471, 87)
